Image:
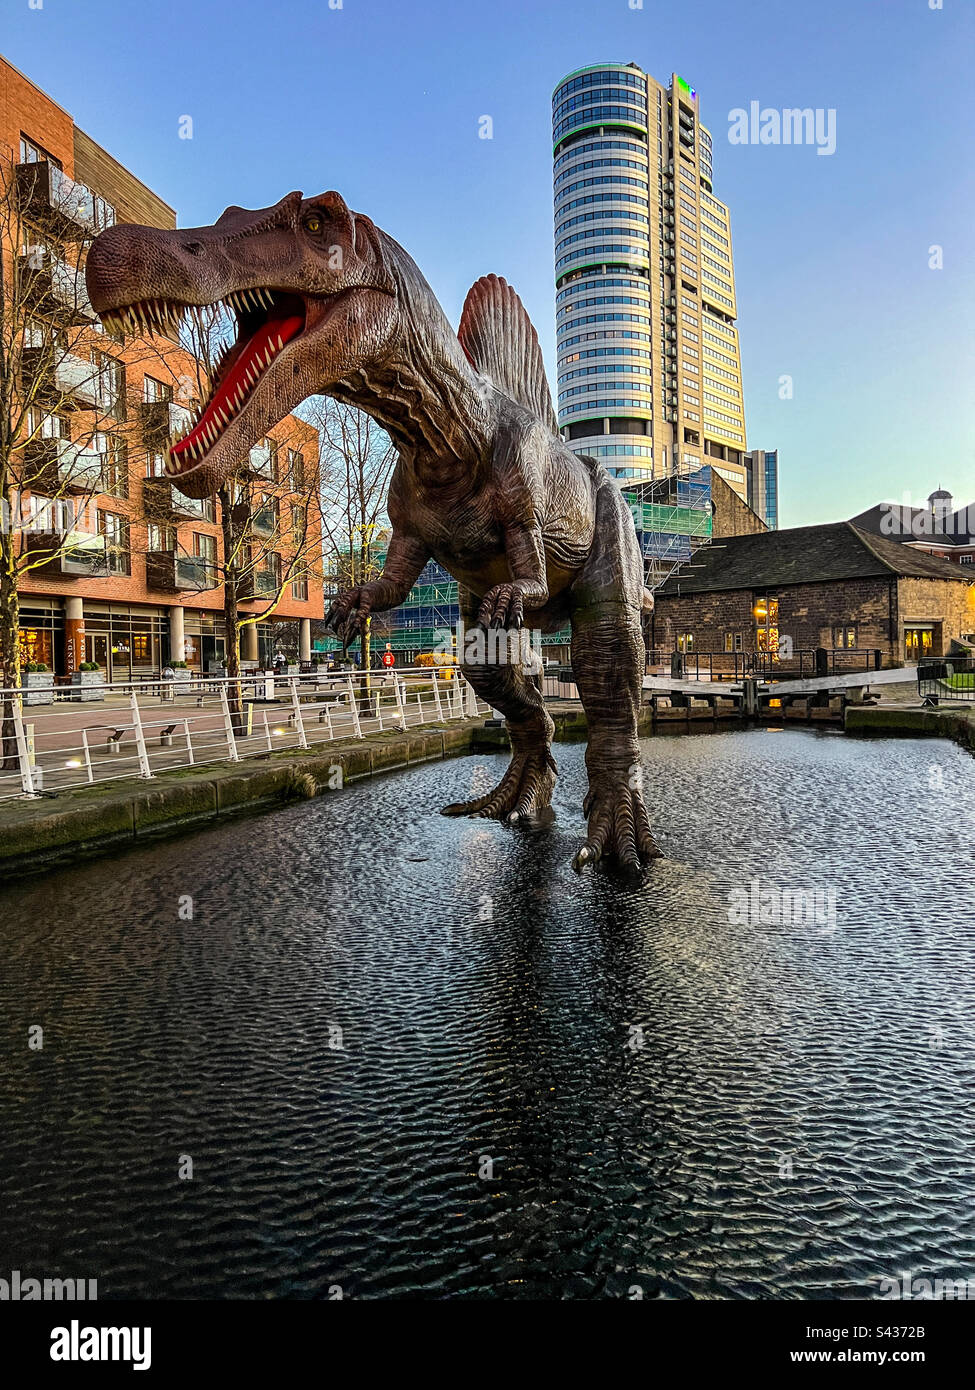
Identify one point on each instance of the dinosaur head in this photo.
(313, 297)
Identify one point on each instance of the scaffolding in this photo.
(672, 517)
(673, 523)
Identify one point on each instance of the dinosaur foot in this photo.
(522, 797)
(619, 829)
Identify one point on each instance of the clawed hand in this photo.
(502, 606)
(349, 612)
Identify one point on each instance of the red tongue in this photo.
(253, 356)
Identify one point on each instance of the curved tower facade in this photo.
(649, 372)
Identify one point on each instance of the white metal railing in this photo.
(66, 736)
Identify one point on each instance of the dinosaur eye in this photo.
(313, 223)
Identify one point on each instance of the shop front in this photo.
(42, 635)
(205, 643)
(126, 643)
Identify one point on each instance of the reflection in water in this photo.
(410, 1055)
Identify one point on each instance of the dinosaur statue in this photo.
(327, 303)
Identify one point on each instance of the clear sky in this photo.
(381, 99)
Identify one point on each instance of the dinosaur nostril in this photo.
(195, 248)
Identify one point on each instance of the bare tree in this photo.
(357, 462)
(270, 508)
(62, 399)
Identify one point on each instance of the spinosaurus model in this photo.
(326, 303)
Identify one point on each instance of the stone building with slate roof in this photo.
(833, 586)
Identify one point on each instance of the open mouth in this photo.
(267, 320)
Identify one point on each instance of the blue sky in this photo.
(381, 100)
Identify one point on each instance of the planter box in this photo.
(87, 685)
(38, 687)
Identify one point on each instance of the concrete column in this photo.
(74, 634)
(177, 634)
(248, 642)
(304, 639)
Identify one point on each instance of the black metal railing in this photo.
(946, 680)
(737, 666)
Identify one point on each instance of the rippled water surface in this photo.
(372, 1004)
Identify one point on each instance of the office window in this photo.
(845, 637)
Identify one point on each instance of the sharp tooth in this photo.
(280, 343)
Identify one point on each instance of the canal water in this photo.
(397, 1055)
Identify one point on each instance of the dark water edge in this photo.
(668, 1099)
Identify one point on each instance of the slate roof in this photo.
(958, 530)
(805, 555)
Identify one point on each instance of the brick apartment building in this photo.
(831, 586)
(135, 581)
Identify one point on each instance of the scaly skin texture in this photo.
(534, 534)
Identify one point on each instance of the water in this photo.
(797, 1123)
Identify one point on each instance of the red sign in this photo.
(389, 659)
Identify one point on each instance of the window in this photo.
(297, 520)
(205, 547)
(965, 559)
(43, 425)
(153, 390)
(115, 464)
(161, 537)
(685, 641)
(845, 637)
(299, 589)
(766, 613)
(110, 384)
(155, 465)
(115, 529)
(734, 641)
(30, 153)
(296, 470)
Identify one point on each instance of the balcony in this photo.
(55, 288)
(264, 521)
(162, 421)
(266, 583)
(76, 554)
(171, 572)
(79, 469)
(60, 381)
(70, 210)
(164, 499)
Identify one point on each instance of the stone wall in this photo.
(878, 608)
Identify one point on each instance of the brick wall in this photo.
(25, 108)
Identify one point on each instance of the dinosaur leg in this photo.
(525, 790)
(607, 662)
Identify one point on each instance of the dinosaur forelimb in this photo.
(347, 615)
(504, 605)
